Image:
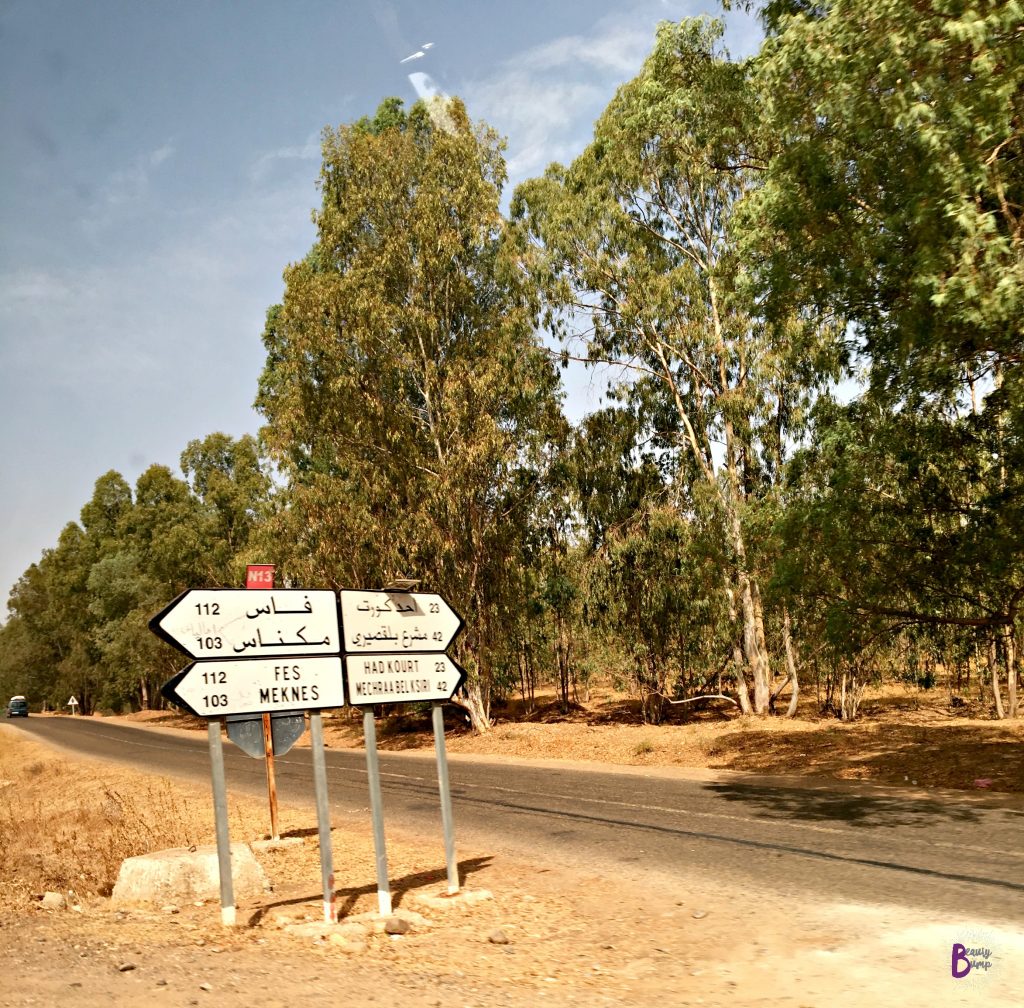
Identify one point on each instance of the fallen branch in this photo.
(712, 696)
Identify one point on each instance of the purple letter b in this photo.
(959, 958)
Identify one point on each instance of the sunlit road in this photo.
(960, 855)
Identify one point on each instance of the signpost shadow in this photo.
(347, 897)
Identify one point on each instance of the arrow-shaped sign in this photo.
(209, 623)
(401, 678)
(383, 621)
(263, 685)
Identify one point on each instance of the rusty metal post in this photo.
(268, 752)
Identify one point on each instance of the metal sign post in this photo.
(220, 816)
(260, 577)
(394, 644)
(257, 656)
(376, 812)
(274, 656)
(437, 714)
(323, 817)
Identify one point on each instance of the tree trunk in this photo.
(993, 668)
(755, 652)
(737, 657)
(1011, 674)
(787, 642)
(475, 704)
(753, 647)
(850, 694)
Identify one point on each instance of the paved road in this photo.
(957, 855)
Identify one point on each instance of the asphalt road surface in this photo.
(951, 853)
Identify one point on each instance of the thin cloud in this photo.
(23, 287)
(131, 184)
(616, 49)
(545, 100)
(266, 164)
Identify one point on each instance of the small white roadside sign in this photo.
(378, 622)
(257, 686)
(401, 678)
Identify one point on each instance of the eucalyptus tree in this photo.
(37, 639)
(25, 662)
(79, 616)
(634, 247)
(900, 521)
(51, 603)
(896, 198)
(408, 405)
(161, 547)
(232, 490)
(894, 202)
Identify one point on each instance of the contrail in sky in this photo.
(424, 85)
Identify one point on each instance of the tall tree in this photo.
(633, 244)
(893, 203)
(898, 521)
(407, 402)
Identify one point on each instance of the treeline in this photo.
(801, 276)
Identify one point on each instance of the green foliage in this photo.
(232, 489)
(78, 618)
(665, 607)
(912, 518)
(407, 402)
(634, 250)
(894, 199)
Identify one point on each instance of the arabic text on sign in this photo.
(216, 623)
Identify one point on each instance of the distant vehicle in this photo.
(17, 706)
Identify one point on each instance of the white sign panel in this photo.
(261, 685)
(209, 623)
(381, 621)
(400, 678)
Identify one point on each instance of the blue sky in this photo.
(157, 173)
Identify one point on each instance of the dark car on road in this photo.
(17, 706)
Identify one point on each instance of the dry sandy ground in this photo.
(574, 935)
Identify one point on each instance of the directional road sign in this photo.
(217, 688)
(209, 623)
(401, 678)
(384, 621)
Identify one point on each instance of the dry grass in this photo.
(67, 826)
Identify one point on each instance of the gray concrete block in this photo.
(182, 874)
